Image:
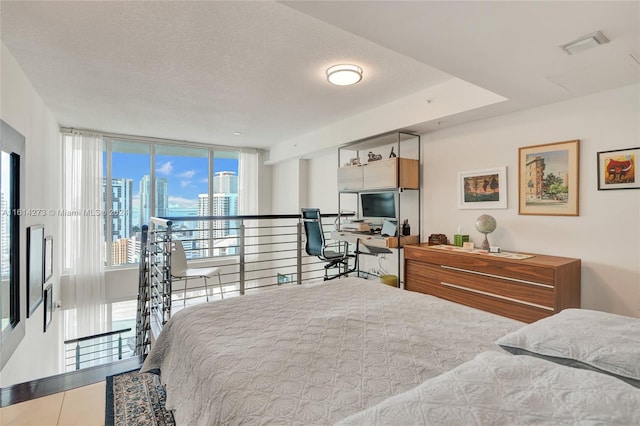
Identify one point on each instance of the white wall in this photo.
(323, 181)
(289, 187)
(606, 234)
(24, 110)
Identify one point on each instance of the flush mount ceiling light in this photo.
(344, 74)
(584, 43)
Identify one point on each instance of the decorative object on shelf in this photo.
(483, 189)
(618, 169)
(374, 157)
(548, 179)
(354, 161)
(438, 239)
(485, 224)
(392, 154)
(406, 228)
(460, 239)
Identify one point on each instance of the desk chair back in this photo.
(313, 229)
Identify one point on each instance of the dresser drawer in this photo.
(486, 264)
(524, 289)
(501, 287)
(508, 308)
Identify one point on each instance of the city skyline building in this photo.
(120, 251)
(161, 199)
(225, 183)
(225, 203)
(121, 208)
(131, 214)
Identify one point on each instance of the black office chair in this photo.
(335, 254)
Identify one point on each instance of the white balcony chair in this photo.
(181, 271)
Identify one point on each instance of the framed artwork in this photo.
(48, 258)
(35, 267)
(48, 306)
(617, 169)
(483, 189)
(548, 179)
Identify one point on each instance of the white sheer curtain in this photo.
(85, 229)
(248, 183)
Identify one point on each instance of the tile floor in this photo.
(82, 406)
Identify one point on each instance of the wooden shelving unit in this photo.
(399, 174)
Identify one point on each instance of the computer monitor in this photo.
(378, 205)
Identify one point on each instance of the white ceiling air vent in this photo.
(585, 42)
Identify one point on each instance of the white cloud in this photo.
(165, 169)
(183, 202)
(189, 174)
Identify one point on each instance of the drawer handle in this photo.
(484, 274)
(497, 296)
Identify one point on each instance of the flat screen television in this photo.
(378, 204)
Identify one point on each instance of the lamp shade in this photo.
(344, 74)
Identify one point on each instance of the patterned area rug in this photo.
(136, 399)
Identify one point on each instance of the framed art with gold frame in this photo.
(548, 179)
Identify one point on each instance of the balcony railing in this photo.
(254, 253)
(97, 349)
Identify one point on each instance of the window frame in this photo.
(108, 139)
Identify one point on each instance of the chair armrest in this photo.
(337, 245)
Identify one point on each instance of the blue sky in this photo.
(186, 176)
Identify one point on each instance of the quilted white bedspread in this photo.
(312, 354)
(502, 389)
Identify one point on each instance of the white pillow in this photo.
(582, 338)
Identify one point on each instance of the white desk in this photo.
(373, 240)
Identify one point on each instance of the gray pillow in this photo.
(582, 338)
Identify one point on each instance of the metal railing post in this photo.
(242, 257)
(78, 356)
(119, 346)
(299, 253)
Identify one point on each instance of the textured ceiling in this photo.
(201, 71)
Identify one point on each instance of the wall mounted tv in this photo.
(378, 204)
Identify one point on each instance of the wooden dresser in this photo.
(526, 290)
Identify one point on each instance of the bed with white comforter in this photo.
(501, 389)
(312, 354)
